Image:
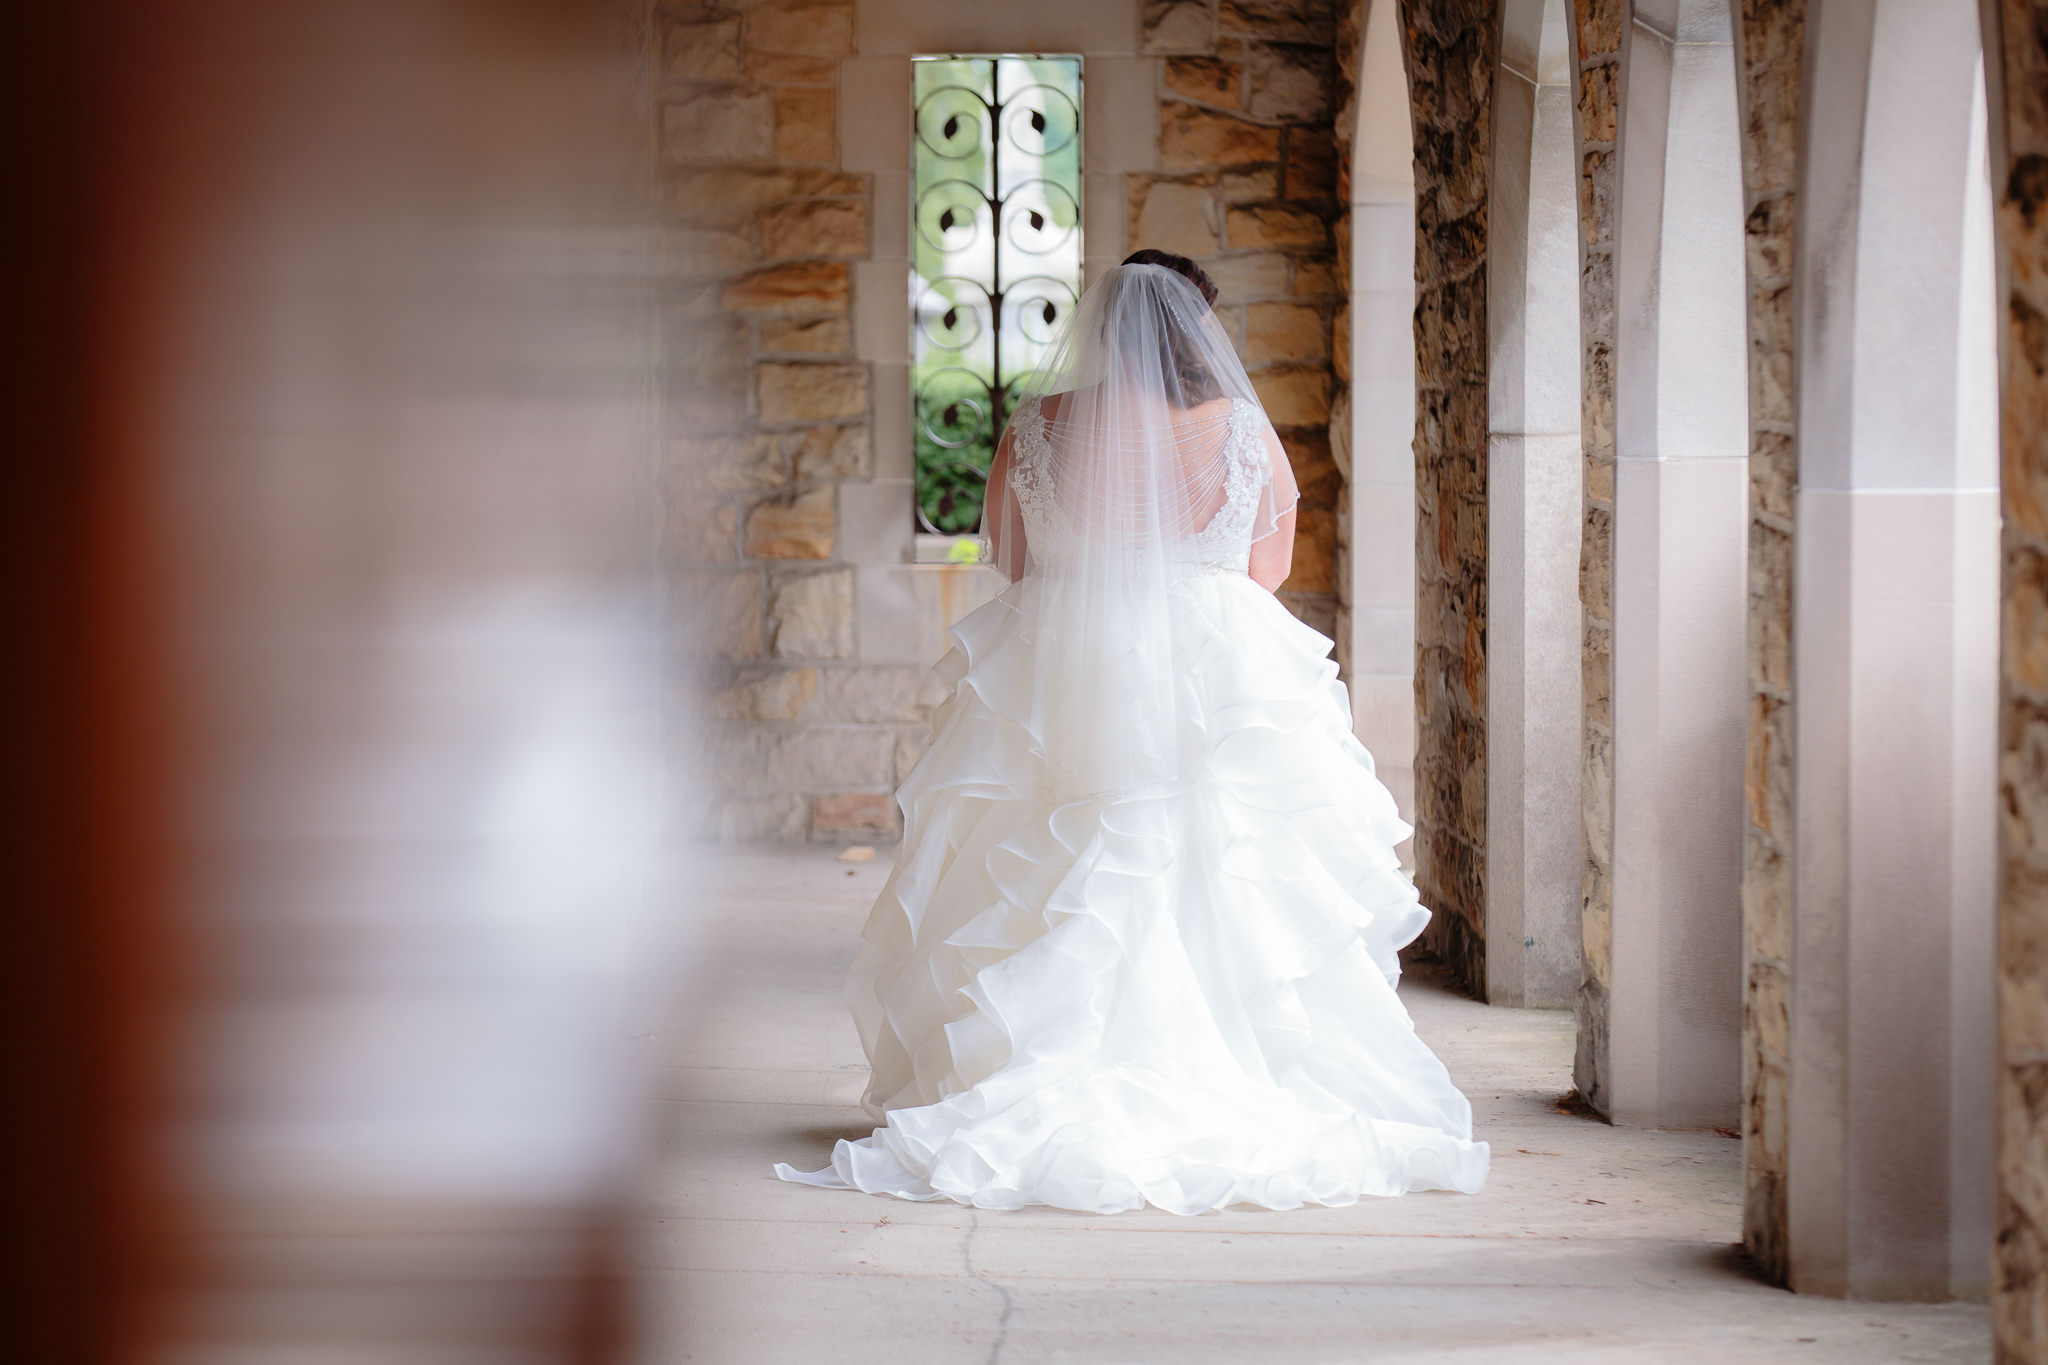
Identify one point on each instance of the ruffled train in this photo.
(1183, 998)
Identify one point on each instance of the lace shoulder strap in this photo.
(1247, 443)
(1027, 419)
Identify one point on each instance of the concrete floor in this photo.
(1590, 1243)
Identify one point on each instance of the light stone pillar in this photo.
(1381, 491)
(1680, 536)
(1894, 645)
(1533, 491)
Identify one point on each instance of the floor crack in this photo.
(995, 1352)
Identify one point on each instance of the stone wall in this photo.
(1770, 41)
(1451, 50)
(785, 431)
(1596, 30)
(2020, 1266)
(1346, 44)
(765, 411)
(1247, 185)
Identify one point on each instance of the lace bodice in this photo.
(1224, 544)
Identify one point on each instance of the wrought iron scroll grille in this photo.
(995, 257)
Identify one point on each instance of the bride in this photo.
(1138, 946)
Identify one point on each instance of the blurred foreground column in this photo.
(339, 690)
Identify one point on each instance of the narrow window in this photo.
(995, 258)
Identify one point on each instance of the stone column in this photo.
(1451, 50)
(1533, 491)
(1595, 35)
(2018, 73)
(1770, 44)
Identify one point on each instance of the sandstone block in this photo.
(1176, 216)
(725, 464)
(832, 452)
(1599, 476)
(705, 368)
(812, 29)
(1340, 366)
(810, 393)
(701, 531)
(1596, 806)
(1768, 235)
(1192, 139)
(703, 346)
(701, 253)
(1241, 279)
(807, 336)
(1318, 279)
(1773, 459)
(732, 194)
(1766, 896)
(1769, 29)
(1771, 133)
(804, 127)
(1767, 766)
(1315, 552)
(1278, 21)
(781, 694)
(792, 526)
(1275, 225)
(1596, 198)
(2025, 652)
(1596, 563)
(788, 68)
(774, 818)
(1294, 398)
(1771, 392)
(1289, 83)
(1597, 102)
(1311, 162)
(1206, 80)
(911, 742)
(1278, 333)
(1249, 187)
(1596, 684)
(1314, 465)
(799, 288)
(1600, 24)
(2024, 428)
(817, 227)
(1178, 26)
(782, 758)
(1770, 608)
(811, 617)
(701, 50)
(718, 125)
(2023, 965)
(880, 695)
(718, 614)
(853, 814)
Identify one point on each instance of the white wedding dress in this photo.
(1179, 995)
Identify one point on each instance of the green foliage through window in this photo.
(995, 257)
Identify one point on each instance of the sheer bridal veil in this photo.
(1135, 458)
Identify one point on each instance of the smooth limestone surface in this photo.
(1590, 1243)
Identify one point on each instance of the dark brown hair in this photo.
(1179, 265)
(1182, 361)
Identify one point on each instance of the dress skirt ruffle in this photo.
(1182, 997)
